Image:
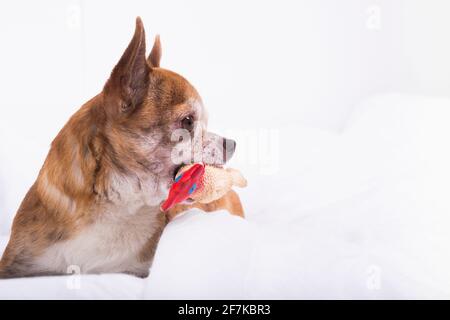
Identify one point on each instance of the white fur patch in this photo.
(111, 244)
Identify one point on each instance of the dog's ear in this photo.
(154, 57)
(128, 84)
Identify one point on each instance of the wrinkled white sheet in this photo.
(360, 214)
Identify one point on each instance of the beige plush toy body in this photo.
(203, 184)
(216, 183)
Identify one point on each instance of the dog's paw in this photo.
(140, 274)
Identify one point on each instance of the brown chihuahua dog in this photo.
(95, 203)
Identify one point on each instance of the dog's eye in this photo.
(188, 123)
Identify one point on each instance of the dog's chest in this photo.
(113, 243)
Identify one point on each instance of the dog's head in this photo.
(155, 119)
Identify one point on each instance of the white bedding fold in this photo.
(363, 214)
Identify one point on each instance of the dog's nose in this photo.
(229, 146)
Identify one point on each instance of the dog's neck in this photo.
(79, 177)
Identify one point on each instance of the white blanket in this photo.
(361, 214)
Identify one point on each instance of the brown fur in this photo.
(116, 146)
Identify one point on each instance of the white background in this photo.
(258, 64)
(340, 110)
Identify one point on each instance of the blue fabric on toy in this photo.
(178, 178)
(192, 189)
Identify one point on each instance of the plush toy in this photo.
(202, 183)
